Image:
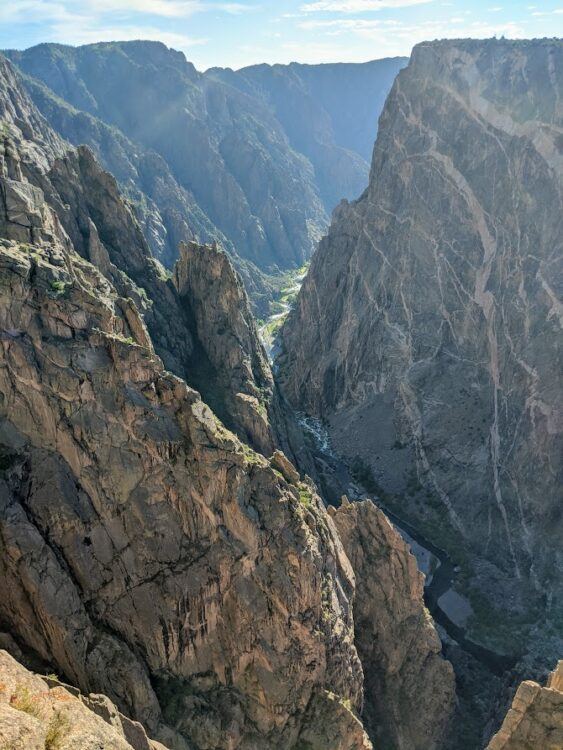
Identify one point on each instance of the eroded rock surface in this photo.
(230, 357)
(535, 719)
(40, 712)
(329, 113)
(409, 688)
(160, 549)
(428, 330)
(145, 552)
(104, 230)
(237, 173)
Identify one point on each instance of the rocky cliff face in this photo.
(230, 358)
(143, 546)
(104, 230)
(167, 213)
(39, 712)
(146, 553)
(395, 637)
(225, 150)
(536, 717)
(329, 113)
(427, 331)
(301, 134)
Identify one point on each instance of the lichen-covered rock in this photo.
(37, 713)
(535, 719)
(409, 688)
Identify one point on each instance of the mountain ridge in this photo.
(177, 196)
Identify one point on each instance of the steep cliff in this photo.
(301, 134)
(428, 329)
(225, 150)
(104, 230)
(409, 688)
(228, 357)
(535, 719)
(168, 213)
(146, 553)
(329, 113)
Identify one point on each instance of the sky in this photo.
(234, 34)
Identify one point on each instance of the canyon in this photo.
(345, 541)
(427, 331)
(216, 156)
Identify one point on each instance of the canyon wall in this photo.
(428, 329)
(146, 552)
(254, 160)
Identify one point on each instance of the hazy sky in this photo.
(212, 32)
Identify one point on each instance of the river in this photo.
(440, 596)
(448, 608)
(270, 327)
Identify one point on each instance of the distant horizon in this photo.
(223, 67)
(226, 34)
(291, 62)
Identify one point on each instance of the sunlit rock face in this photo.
(535, 718)
(39, 712)
(428, 329)
(146, 552)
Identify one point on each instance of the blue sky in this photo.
(214, 32)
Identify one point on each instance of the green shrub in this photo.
(24, 700)
(59, 287)
(58, 728)
(305, 496)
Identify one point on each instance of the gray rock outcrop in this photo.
(428, 330)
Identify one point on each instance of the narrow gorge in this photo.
(256, 495)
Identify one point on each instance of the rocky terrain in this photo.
(396, 639)
(329, 113)
(227, 162)
(168, 569)
(147, 553)
(38, 713)
(535, 719)
(222, 147)
(427, 332)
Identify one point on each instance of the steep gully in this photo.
(440, 571)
